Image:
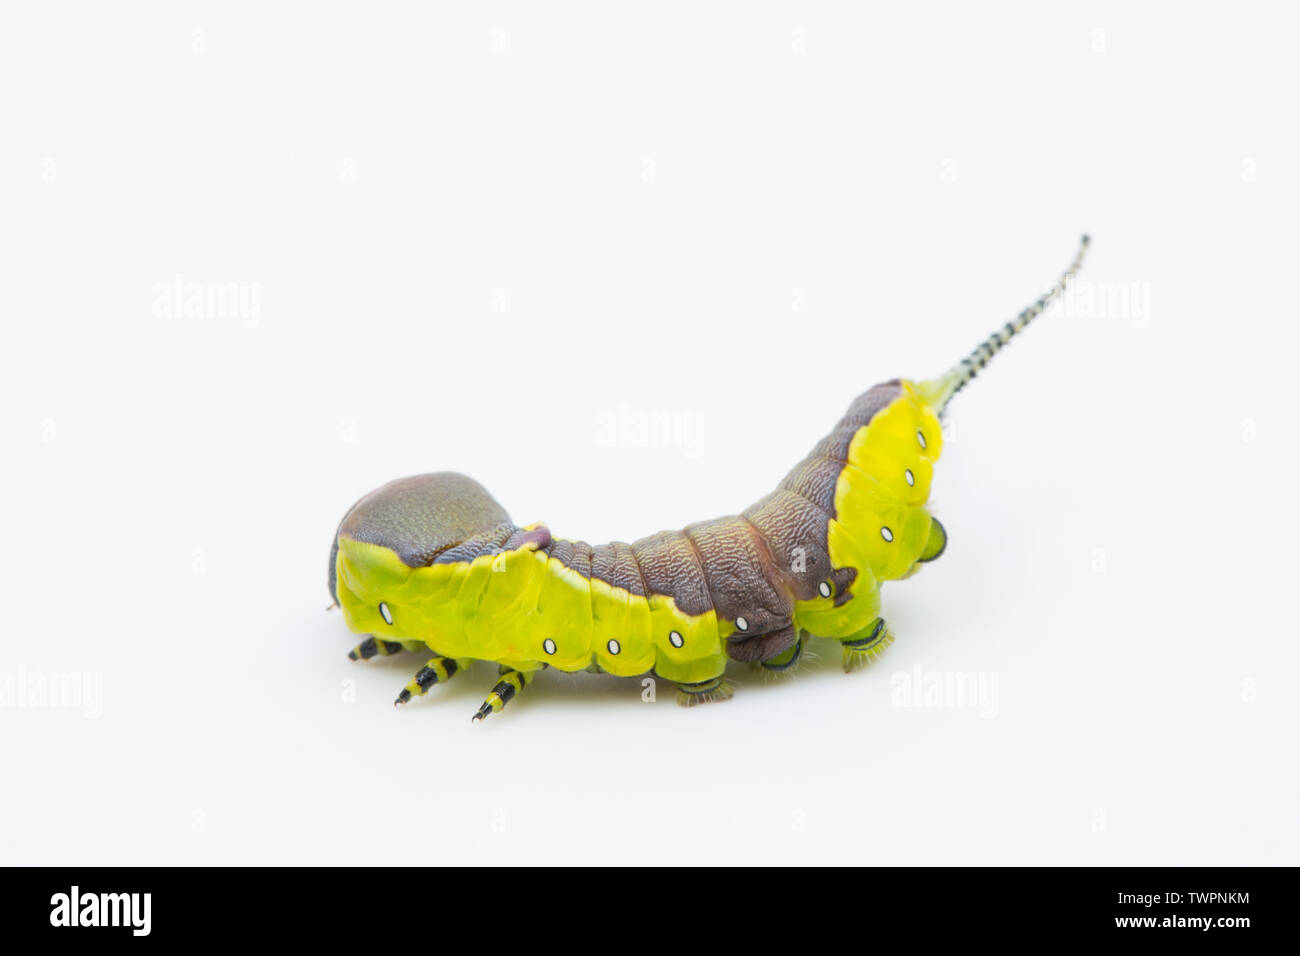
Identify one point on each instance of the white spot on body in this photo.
(920, 436)
(742, 624)
(675, 639)
(911, 478)
(386, 614)
(548, 646)
(613, 646)
(887, 534)
(824, 589)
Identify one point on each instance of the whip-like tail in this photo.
(937, 392)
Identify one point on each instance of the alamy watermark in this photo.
(183, 298)
(920, 688)
(52, 690)
(661, 429)
(1094, 300)
(76, 908)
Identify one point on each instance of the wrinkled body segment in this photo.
(457, 576)
(434, 562)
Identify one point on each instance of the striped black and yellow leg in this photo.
(866, 645)
(437, 670)
(785, 662)
(372, 647)
(702, 692)
(510, 684)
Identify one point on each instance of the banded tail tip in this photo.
(937, 392)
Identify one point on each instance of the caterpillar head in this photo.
(408, 524)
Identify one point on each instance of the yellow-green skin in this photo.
(505, 607)
(469, 584)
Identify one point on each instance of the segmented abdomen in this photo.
(734, 586)
(807, 556)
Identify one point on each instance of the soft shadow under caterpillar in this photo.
(433, 563)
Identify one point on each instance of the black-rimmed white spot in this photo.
(386, 614)
(613, 646)
(548, 646)
(675, 639)
(920, 436)
(887, 534)
(824, 589)
(911, 478)
(742, 624)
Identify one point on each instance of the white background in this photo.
(477, 233)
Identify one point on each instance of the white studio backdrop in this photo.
(625, 264)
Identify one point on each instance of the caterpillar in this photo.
(433, 564)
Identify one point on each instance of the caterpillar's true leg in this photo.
(786, 660)
(701, 692)
(372, 647)
(436, 670)
(866, 645)
(510, 684)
